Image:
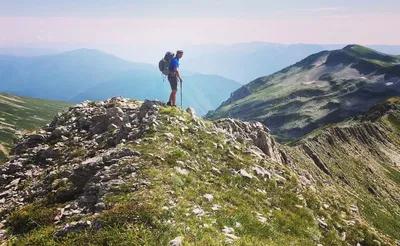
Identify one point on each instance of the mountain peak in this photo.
(354, 54)
(353, 46)
(85, 51)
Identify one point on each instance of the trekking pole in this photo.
(181, 95)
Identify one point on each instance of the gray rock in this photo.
(148, 106)
(228, 230)
(245, 174)
(73, 227)
(99, 124)
(15, 167)
(169, 135)
(262, 172)
(5, 193)
(198, 211)
(354, 208)
(209, 197)
(255, 132)
(216, 207)
(44, 154)
(100, 206)
(178, 241)
(59, 132)
(182, 171)
(191, 111)
(322, 224)
(115, 112)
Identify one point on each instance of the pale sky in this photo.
(199, 22)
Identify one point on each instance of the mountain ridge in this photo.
(334, 83)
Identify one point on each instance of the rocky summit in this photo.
(125, 172)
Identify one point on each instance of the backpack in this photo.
(163, 65)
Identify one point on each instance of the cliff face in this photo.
(142, 173)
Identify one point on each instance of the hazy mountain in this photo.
(241, 62)
(90, 74)
(324, 88)
(62, 76)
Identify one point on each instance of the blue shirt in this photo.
(174, 64)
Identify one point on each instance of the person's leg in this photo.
(173, 95)
(174, 87)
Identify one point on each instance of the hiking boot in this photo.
(169, 104)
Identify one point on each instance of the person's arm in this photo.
(177, 74)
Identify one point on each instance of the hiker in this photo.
(173, 77)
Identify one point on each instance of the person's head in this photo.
(179, 54)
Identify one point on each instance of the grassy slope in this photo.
(362, 166)
(19, 114)
(393, 120)
(155, 214)
(269, 98)
(373, 56)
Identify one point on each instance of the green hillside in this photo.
(21, 114)
(324, 88)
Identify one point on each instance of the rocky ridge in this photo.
(122, 170)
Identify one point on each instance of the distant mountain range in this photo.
(324, 88)
(242, 62)
(90, 74)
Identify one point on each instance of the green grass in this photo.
(393, 174)
(3, 157)
(394, 120)
(394, 100)
(260, 97)
(30, 217)
(381, 63)
(25, 114)
(381, 219)
(372, 56)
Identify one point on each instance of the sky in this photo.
(152, 22)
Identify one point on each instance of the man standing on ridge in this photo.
(173, 77)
